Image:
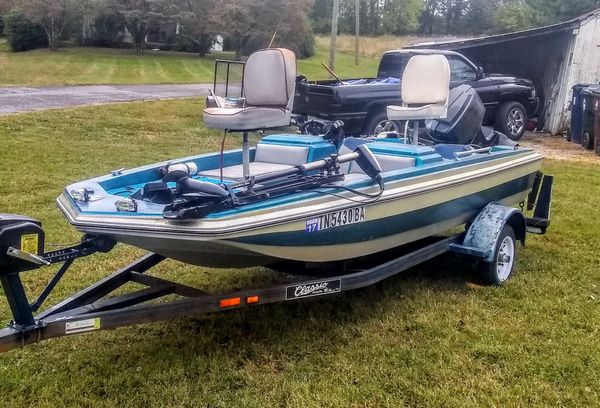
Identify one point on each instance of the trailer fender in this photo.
(483, 233)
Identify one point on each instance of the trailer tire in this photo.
(380, 119)
(503, 264)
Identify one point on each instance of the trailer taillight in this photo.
(230, 302)
(252, 299)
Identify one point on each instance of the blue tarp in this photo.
(378, 81)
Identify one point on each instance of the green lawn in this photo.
(421, 339)
(79, 65)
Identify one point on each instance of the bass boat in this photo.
(311, 198)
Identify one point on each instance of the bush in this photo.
(1, 25)
(306, 48)
(190, 41)
(107, 31)
(22, 34)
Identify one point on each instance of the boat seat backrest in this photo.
(269, 77)
(426, 80)
(281, 154)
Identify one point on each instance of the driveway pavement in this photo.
(25, 99)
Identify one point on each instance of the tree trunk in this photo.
(53, 40)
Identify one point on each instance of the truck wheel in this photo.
(587, 141)
(381, 121)
(511, 119)
(505, 253)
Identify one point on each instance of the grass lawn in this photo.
(420, 339)
(87, 65)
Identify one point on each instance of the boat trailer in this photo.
(22, 249)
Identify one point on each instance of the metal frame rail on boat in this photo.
(92, 309)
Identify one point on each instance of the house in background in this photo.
(554, 57)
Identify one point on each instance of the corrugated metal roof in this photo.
(492, 39)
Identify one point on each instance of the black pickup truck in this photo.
(361, 103)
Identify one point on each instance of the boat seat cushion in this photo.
(281, 154)
(236, 173)
(245, 118)
(416, 112)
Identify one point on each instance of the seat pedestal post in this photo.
(246, 155)
(415, 140)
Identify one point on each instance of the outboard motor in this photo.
(465, 116)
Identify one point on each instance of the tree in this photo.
(521, 14)
(480, 16)
(53, 15)
(22, 33)
(401, 16)
(142, 15)
(243, 22)
(195, 33)
(428, 16)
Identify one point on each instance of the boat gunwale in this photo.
(165, 229)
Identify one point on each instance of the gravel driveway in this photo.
(26, 99)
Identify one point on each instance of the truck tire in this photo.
(380, 119)
(503, 264)
(511, 119)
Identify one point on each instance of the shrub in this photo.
(107, 31)
(1, 25)
(22, 34)
(306, 48)
(199, 43)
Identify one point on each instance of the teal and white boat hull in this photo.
(323, 224)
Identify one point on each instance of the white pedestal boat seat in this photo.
(425, 90)
(269, 85)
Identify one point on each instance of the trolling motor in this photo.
(196, 199)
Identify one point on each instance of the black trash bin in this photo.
(595, 103)
(589, 99)
(578, 116)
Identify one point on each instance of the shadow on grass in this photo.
(299, 328)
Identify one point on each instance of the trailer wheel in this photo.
(505, 253)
